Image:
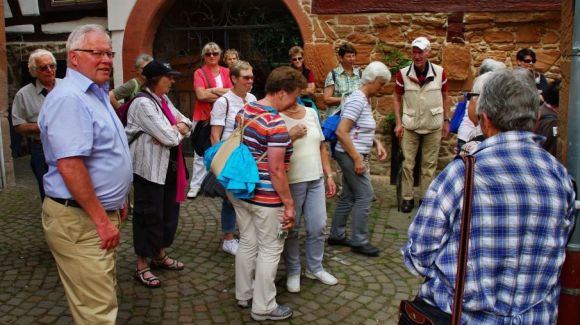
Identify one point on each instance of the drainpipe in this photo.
(569, 308)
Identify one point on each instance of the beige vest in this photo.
(423, 106)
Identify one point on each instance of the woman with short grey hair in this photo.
(468, 129)
(356, 136)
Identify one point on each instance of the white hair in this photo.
(375, 70)
(35, 55)
(488, 65)
(77, 36)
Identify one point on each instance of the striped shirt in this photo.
(155, 136)
(523, 212)
(357, 109)
(267, 131)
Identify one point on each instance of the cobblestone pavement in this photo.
(368, 291)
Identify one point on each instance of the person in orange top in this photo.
(210, 82)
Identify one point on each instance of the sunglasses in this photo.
(297, 59)
(528, 61)
(471, 95)
(47, 67)
(208, 54)
(247, 78)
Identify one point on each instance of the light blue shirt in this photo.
(77, 119)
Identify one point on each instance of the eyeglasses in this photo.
(208, 54)
(97, 53)
(297, 59)
(247, 78)
(46, 67)
(528, 61)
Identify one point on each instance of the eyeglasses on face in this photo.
(208, 54)
(97, 53)
(46, 67)
(529, 61)
(247, 78)
(297, 59)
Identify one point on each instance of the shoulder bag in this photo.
(200, 136)
(420, 312)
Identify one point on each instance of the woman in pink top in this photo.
(210, 82)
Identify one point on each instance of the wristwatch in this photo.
(446, 119)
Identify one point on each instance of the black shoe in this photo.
(338, 242)
(407, 206)
(366, 249)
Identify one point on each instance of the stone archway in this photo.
(146, 16)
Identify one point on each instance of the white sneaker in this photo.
(231, 246)
(293, 283)
(192, 194)
(323, 276)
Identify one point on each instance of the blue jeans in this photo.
(357, 196)
(38, 166)
(309, 202)
(228, 217)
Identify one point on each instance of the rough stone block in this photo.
(551, 38)
(478, 17)
(528, 34)
(498, 37)
(391, 35)
(353, 20)
(359, 38)
(456, 61)
(381, 20)
(430, 20)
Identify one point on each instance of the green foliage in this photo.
(392, 57)
(389, 122)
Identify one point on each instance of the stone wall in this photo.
(497, 35)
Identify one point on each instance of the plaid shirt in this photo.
(345, 84)
(522, 215)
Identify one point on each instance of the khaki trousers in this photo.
(430, 143)
(86, 271)
(258, 256)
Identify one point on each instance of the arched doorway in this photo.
(261, 30)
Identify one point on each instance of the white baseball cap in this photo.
(422, 43)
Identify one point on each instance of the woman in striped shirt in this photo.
(356, 135)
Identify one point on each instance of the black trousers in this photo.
(155, 216)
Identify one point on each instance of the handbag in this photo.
(211, 187)
(200, 138)
(229, 145)
(420, 312)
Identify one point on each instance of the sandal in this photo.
(147, 282)
(161, 264)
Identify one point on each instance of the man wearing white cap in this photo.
(422, 88)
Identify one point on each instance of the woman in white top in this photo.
(356, 135)
(469, 129)
(222, 122)
(309, 167)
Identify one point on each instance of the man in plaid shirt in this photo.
(523, 212)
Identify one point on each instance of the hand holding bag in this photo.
(420, 312)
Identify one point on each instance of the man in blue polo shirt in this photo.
(89, 174)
